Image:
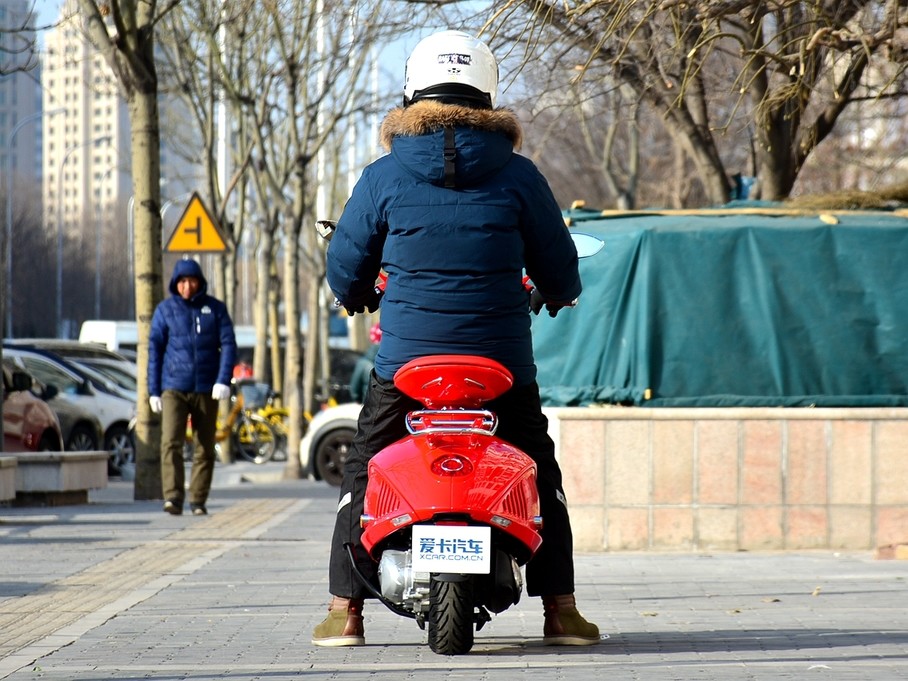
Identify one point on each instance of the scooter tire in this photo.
(450, 617)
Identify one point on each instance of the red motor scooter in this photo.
(451, 511)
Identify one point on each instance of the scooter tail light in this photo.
(452, 465)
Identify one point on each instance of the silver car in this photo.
(112, 407)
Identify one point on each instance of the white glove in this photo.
(155, 403)
(220, 391)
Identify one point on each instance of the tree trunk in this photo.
(263, 247)
(146, 176)
(293, 373)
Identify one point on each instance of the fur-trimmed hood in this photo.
(429, 116)
(485, 141)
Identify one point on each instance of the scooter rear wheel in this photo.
(450, 617)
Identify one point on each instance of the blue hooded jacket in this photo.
(454, 255)
(192, 344)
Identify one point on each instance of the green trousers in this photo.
(202, 408)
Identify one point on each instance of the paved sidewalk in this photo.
(117, 589)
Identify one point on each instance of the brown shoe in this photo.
(564, 625)
(343, 626)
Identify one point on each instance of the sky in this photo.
(47, 10)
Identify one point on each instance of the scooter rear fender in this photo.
(475, 476)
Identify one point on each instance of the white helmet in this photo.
(454, 67)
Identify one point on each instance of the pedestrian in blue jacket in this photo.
(453, 215)
(191, 353)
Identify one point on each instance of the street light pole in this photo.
(66, 156)
(7, 297)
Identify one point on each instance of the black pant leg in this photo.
(382, 422)
(522, 424)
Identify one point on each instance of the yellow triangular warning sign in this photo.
(196, 231)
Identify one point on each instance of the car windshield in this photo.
(49, 374)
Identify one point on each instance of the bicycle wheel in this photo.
(254, 438)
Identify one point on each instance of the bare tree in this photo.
(124, 32)
(215, 56)
(319, 56)
(18, 45)
(291, 73)
(722, 73)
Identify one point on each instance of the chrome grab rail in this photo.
(478, 421)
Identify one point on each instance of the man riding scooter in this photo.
(453, 216)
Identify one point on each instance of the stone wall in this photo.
(734, 479)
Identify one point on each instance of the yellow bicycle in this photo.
(257, 401)
(252, 436)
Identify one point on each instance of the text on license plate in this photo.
(452, 548)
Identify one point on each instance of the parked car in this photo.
(29, 424)
(77, 350)
(80, 428)
(112, 370)
(341, 362)
(327, 441)
(88, 389)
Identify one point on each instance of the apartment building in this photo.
(87, 194)
(20, 99)
(86, 159)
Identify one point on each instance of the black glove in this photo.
(537, 301)
(370, 303)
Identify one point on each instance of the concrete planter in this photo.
(7, 478)
(58, 478)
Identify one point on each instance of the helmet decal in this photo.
(455, 59)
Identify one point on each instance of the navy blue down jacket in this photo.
(455, 254)
(192, 344)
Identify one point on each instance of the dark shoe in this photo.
(564, 625)
(343, 626)
(198, 509)
(173, 507)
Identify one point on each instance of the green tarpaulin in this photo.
(734, 308)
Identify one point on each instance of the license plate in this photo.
(452, 548)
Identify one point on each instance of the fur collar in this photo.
(428, 116)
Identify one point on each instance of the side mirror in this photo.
(586, 244)
(21, 381)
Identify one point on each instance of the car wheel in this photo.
(121, 446)
(82, 439)
(331, 452)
